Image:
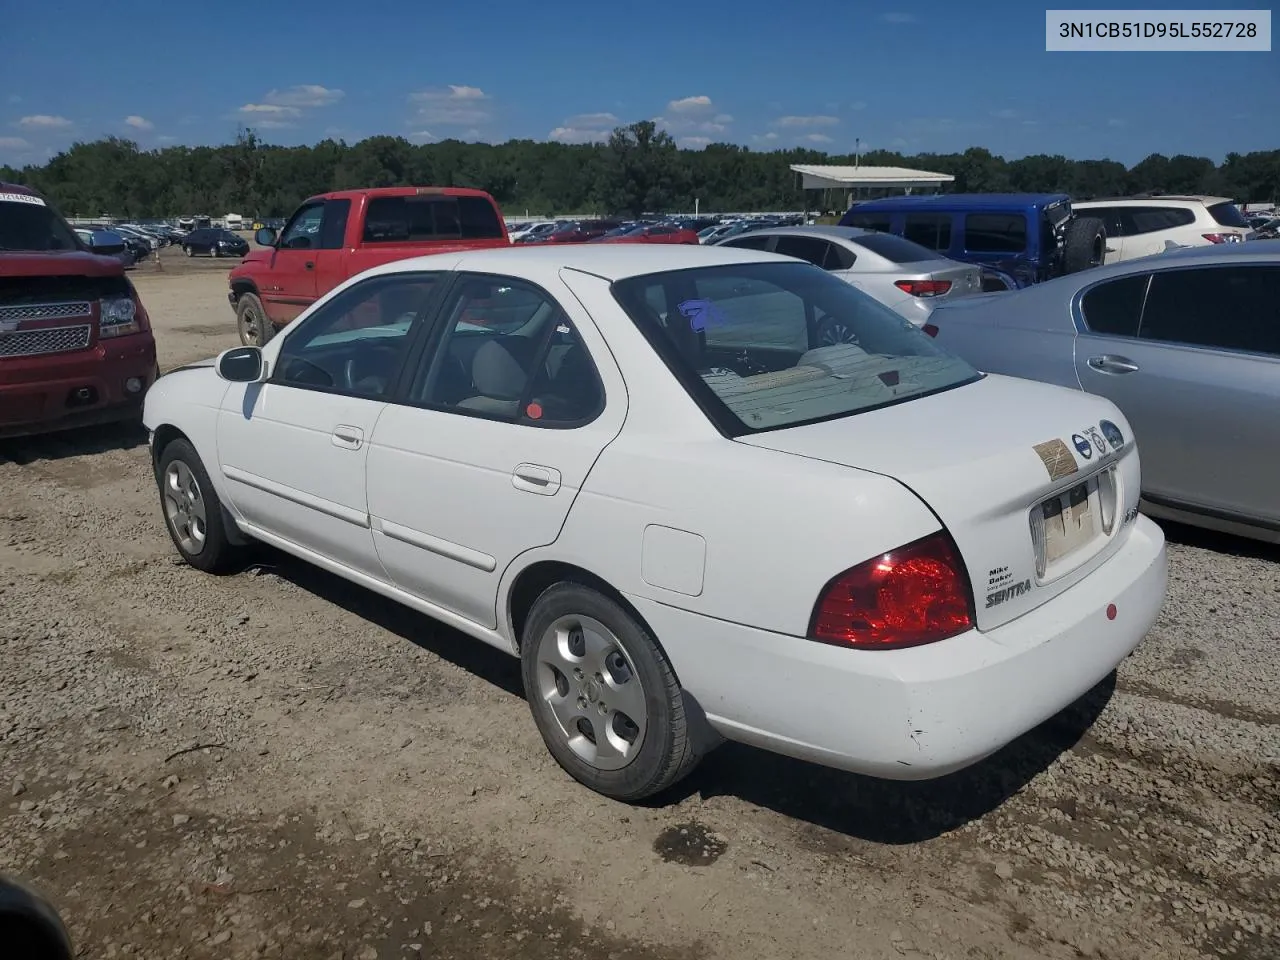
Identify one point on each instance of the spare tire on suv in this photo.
(1084, 244)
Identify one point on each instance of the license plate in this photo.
(1070, 522)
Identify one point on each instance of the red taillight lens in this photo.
(923, 288)
(916, 594)
(1223, 237)
(930, 329)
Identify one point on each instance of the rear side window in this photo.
(995, 232)
(750, 243)
(418, 218)
(868, 221)
(1228, 214)
(1140, 220)
(1115, 307)
(333, 229)
(932, 230)
(895, 249)
(1229, 308)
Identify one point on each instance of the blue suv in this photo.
(1017, 238)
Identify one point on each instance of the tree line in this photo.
(639, 169)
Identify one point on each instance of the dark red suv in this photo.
(75, 342)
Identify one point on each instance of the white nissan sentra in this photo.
(643, 472)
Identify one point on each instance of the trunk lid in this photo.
(985, 457)
(966, 280)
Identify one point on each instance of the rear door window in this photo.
(1227, 308)
(931, 230)
(1110, 217)
(749, 242)
(333, 229)
(1115, 307)
(430, 217)
(895, 249)
(803, 248)
(995, 232)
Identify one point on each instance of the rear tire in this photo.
(592, 673)
(193, 514)
(188, 251)
(1084, 245)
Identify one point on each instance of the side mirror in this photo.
(30, 926)
(266, 237)
(241, 365)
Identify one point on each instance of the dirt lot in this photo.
(277, 764)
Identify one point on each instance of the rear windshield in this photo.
(895, 249)
(27, 223)
(1228, 214)
(411, 219)
(761, 346)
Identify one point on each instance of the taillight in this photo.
(930, 329)
(923, 288)
(916, 594)
(1223, 238)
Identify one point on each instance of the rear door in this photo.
(1199, 379)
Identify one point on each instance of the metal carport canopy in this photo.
(844, 178)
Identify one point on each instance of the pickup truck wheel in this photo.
(1084, 245)
(251, 320)
(603, 695)
(193, 513)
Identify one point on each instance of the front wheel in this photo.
(603, 695)
(188, 251)
(252, 323)
(192, 511)
(214, 251)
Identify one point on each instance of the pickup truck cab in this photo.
(334, 236)
(76, 346)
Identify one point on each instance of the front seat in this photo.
(499, 376)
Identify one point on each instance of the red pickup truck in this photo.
(334, 236)
(75, 342)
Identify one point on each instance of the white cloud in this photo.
(1114, 122)
(591, 120)
(166, 138)
(858, 105)
(422, 136)
(769, 137)
(814, 121)
(304, 95)
(14, 98)
(697, 104)
(818, 138)
(42, 121)
(14, 143)
(694, 141)
(269, 110)
(138, 123)
(898, 17)
(569, 134)
(453, 105)
(1005, 114)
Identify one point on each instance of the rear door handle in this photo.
(1113, 364)
(349, 438)
(535, 478)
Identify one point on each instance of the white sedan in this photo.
(640, 470)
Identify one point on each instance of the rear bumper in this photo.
(61, 391)
(924, 712)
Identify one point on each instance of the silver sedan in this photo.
(1186, 343)
(907, 278)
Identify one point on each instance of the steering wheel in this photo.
(367, 371)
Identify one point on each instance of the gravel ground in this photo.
(278, 764)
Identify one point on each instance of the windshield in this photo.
(27, 223)
(894, 248)
(763, 346)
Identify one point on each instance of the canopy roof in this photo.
(818, 177)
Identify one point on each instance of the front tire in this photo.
(188, 251)
(604, 696)
(252, 323)
(193, 513)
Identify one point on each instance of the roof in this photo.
(6, 187)
(1155, 199)
(813, 230)
(401, 192)
(610, 261)
(818, 176)
(963, 201)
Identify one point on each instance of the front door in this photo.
(290, 286)
(1199, 382)
(293, 450)
(499, 427)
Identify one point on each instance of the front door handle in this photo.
(349, 438)
(535, 478)
(1112, 364)
(310, 264)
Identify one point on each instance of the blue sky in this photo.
(921, 76)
